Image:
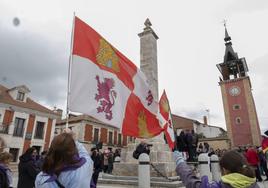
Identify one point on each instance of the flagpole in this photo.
(69, 73)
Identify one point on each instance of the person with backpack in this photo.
(67, 164)
(6, 180)
(236, 173)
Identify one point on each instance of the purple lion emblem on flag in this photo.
(106, 96)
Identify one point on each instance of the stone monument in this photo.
(160, 155)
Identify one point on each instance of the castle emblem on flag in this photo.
(143, 131)
(107, 57)
(149, 98)
(106, 96)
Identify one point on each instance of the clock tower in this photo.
(239, 107)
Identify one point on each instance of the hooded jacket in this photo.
(234, 180)
(70, 177)
(27, 171)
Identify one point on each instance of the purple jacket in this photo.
(191, 181)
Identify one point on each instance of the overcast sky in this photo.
(36, 51)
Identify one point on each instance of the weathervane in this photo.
(224, 22)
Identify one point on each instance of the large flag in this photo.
(108, 86)
(166, 120)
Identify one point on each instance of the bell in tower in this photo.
(232, 66)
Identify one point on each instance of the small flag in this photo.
(165, 119)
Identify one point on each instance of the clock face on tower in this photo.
(234, 91)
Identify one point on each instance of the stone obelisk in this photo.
(160, 155)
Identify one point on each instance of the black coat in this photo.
(27, 172)
(3, 178)
(181, 145)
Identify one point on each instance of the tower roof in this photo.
(232, 66)
(230, 54)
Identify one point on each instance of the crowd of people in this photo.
(188, 143)
(103, 161)
(68, 164)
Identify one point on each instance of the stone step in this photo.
(161, 179)
(132, 181)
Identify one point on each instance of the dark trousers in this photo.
(95, 177)
(258, 173)
(264, 167)
(191, 153)
(110, 168)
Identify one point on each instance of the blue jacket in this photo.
(73, 178)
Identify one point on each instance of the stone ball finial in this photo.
(147, 23)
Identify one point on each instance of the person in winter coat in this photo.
(181, 142)
(97, 159)
(253, 160)
(235, 173)
(67, 164)
(263, 162)
(5, 172)
(27, 168)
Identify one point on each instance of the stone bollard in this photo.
(215, 168)
(203, 161)
(144, 171)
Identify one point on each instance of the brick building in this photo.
(90, 131)
(24, 122)
(213, 135)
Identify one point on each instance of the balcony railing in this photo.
(4, 128)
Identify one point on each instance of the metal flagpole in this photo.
(69, 73)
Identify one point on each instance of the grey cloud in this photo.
(30, 59)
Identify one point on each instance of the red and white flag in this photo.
(165, 119)
(109, 87)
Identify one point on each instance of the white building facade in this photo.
(23, 122)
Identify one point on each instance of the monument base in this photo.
(160, 157)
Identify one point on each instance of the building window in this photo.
(3, 127)
(39, 130)
(96, 135)
(236, 107)
(119, 139)
(110, 138)
(20, 96)
(15, 153)
(238, 120)
(19, 127)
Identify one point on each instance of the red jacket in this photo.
(252, 157)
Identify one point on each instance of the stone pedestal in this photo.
(160, 156)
